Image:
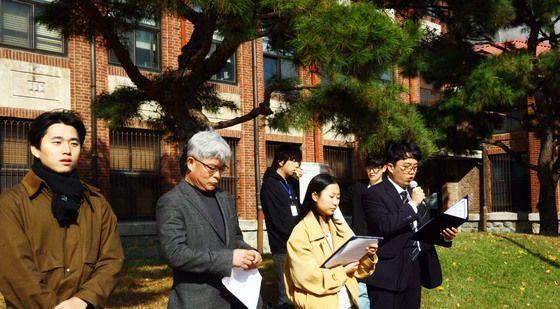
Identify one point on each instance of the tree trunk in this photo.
(547, 208)
(547, 193)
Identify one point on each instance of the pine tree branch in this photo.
(198, 46)
(263, 109)
(118, 48)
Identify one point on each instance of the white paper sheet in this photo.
(460, 209)
(354, 249)
(245, 285)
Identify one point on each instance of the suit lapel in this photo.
(392, 193)
(192, 198)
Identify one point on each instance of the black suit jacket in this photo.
(387, 216)
(351, 200)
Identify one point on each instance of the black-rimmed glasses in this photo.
(374, 169)
(409, 168)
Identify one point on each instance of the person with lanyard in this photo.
(281, 208)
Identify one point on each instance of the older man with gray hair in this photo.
(198, 228)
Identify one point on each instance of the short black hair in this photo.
(401, 150)
(375, 159)
(43, 122)
(284, 153)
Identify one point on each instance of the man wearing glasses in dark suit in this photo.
(394, 211)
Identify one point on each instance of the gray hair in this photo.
(207, 145)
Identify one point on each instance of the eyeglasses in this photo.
(409, 168)
(213, 169)
(375, 170)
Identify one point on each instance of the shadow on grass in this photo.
(538, 255)
(142, 282)
(269, 286)
(145, 283)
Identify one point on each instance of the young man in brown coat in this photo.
(58, 238)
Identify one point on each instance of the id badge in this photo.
(294, 210)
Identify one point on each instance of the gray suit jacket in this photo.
(198, 256)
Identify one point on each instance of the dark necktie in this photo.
(404, 197)
(416, 244)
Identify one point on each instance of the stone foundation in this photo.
(505, 222)
(140, 239)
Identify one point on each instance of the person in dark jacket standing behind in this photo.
(281, 208)
(58, 237)
(352, 199)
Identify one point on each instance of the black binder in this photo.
(453, 217)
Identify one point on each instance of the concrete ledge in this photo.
(138, 228)
(508, 216)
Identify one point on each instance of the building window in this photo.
(143, 45)
(228, 182)
(511, 122)
(428, 96)
(277, 65)
(14, 152)
(135, 173)
(19, 28)
(386, 77)
(340, 162)
(510, 184)
(228, 74)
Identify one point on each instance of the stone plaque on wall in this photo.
(34, 86)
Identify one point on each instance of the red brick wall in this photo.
(174, 33)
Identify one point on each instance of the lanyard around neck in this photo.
(286, 187)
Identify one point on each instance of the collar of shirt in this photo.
(399, 190)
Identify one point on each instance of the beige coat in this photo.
(43, 264)
(307, 284)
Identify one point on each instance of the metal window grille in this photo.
(135, 173)
(228, 182)
(340, 162)
(15, 155)
(510, 184)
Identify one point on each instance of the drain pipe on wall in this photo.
(256, 142)
(94, 172)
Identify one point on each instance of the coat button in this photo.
(67, 270)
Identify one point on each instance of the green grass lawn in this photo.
(481, 270)
(485, 270)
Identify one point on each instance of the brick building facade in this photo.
(136, 165)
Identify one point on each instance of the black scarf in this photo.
(67, 193)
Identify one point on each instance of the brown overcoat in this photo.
(43, 264)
